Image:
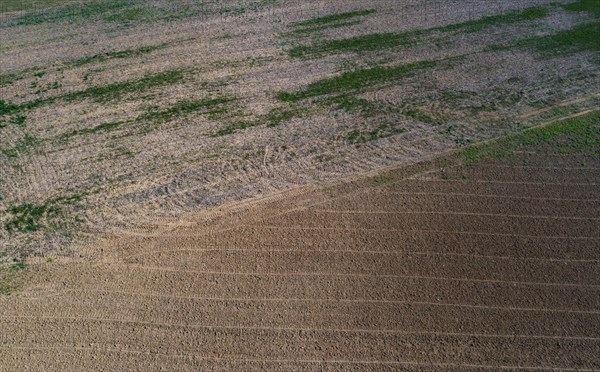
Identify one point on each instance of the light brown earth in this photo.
(293, 247)
(143, 171)
(440, 265)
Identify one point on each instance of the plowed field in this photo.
(442, 265)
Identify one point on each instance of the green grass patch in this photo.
(314, 29)
(8, 79)
(383, 130)
(213, 107)
(358, 44)
(590, 6)
(235, 127)
(274, 118)
(183, 108)
(350, 103)
(104, 93)
(115, 55)
(72, 12)
(128, 15)
(334, 18)
(478, 25)
(421, 116)
(581, 38)
(357, 80)
(28, 5)
(580, 135)
(8, 108)
(30, 217)
(116, 91)
(105, 127)
(21, 147)
(382, 41)
(154, 117)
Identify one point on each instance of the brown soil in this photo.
(496, 270)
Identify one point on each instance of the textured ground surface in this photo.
(116, 112)
(447, 264)
(284, 185)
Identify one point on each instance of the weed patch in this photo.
(580, 135)
(356, 81)
(334, 18)
(383, 130)
(274, 118)
(29, 217)
(115, 55)
(358, 44)
(590, 6)
(376, 42)
(214, 108)
(21, 147)
(314, 29)
(119, 90)
(478, 25)
(8, 108)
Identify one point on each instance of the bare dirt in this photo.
(123, 170)
(496, 271)
(138, 233)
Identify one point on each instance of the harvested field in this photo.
(398, 270)
(299, 186)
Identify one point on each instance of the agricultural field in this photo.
(307, 185)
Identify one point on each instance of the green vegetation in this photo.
(581, 38)
(28, 217)
(358, 44)
(154, 117)
(478, 25)
(104, 93)
(234, 127)
(580, 134)
(309, 30)
(115, 55)
(105, 127)
(214, 108)
(590, 6)
(182, 108)
(9, 276)
(7, 108)
(357, 80)
(24, 5)
(419, 115)
(21, 147)
(71, 12)
(128, 15)
(125, 12)
(376, 42)
(383, 130)
(578, 39)
(350, 103)
(116, 91)
(274, 118)
(334, 18)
